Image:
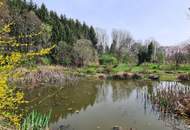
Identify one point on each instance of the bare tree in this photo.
(188, 52)
(122, 42)
(178, 58)
(134, 51)
(103, 40)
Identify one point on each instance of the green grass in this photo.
(121, 68)
(137, 69)
(36, 121)
(168, 77)
(184, 68)
(88, 70)
(144, 68)
(107, 59)
(167, 72)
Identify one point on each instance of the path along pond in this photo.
(101, 105)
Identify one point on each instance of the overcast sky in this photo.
(165, 20)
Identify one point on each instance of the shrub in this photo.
(108, 69)
(45, 60)
(107, 59)
(184, 77)
(90, 71)
(121, 68)
(10, 98)
(84, 53)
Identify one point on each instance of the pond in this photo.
(101, 105)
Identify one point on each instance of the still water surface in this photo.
(100, 105)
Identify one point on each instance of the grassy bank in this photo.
(60, 74)
(167, 72)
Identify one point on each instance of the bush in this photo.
(121, 68)
(108, 69)
(90, 71)
(84, 53)
(151, 66)
(107, 59)
(45, 60)
(184, 77)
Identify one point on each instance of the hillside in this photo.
(46, 28)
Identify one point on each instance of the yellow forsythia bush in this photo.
(10, 98)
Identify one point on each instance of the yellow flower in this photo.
(10, 98)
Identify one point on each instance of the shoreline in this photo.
(62, 75)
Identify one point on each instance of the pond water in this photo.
(101, 105)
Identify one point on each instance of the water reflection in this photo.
(103, 104)
(62, 100)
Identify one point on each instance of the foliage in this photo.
(45, 60)
(145, 54)
(150, 52)
(62, 54)
(58, 29)
(122, 42)
(107, 59)
(89, 70)
(36, 121)
(121, 68)
(10, 98)
(184, 67)
(160, 57)
(84, 53)
(142, 54)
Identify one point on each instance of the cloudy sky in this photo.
(165, 20)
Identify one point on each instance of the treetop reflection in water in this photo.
(92, 105)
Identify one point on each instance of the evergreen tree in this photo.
(142, 55)
(150, 52)
(43, 13)
(92, 36)
(62, 29)
(113, 47)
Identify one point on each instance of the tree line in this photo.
(65, 32)
(128, 50)
(78, 44)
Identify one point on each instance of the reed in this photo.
(45, 74)
(36, 121)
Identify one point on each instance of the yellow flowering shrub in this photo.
(10, 98)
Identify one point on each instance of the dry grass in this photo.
(44, 74)
(172, 98)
